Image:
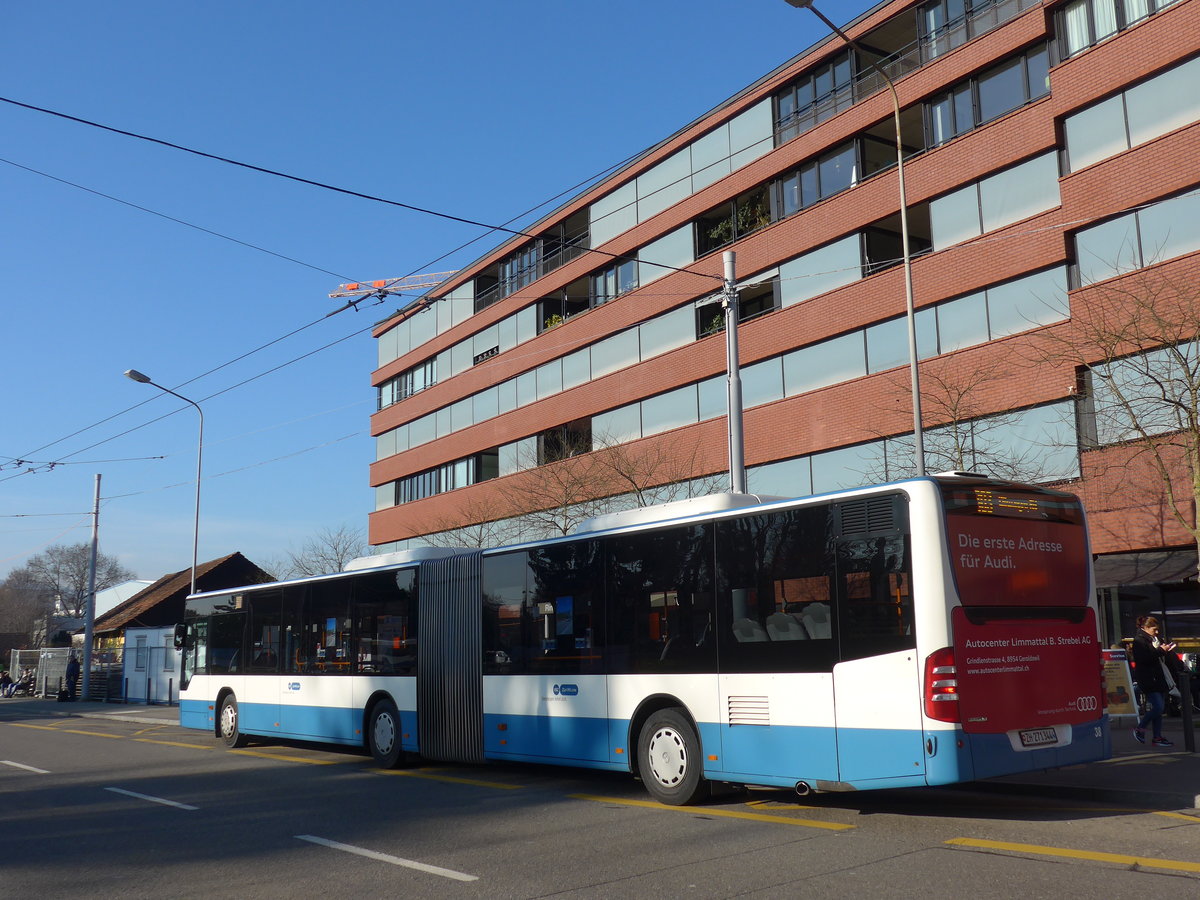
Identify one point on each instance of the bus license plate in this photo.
(1037, 737)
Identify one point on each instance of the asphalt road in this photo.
(98, 808)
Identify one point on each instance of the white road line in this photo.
(17, 765)
(383, 857)
(151, 799)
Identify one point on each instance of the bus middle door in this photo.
(876, 682)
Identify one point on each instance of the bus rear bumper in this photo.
(969, 757)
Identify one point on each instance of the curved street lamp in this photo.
(137, 376)
(918, 436)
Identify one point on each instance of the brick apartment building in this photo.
(1052, 171)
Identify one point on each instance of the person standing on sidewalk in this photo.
(72, 676)
(1149, 661)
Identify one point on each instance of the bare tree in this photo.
(58, 577)
(962, 431)
(658, 472)
(329, 550)
(560, 488)
(1135, 342)
(475, 523)
(568, 479)
(23, 607)
(575, 478)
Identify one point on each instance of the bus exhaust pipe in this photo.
(802, 789)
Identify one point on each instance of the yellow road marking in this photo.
(39, 727)
(777, 805)
(718, 813)
(174, 744)
(1119, 858)
(311, 762)
(451, 779)
(1175, 815)
(91, 733)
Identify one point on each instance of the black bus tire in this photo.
(227, 723)
(669, 759)
(383, 734)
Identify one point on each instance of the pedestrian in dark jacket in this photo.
(72, 676)
(1149, 658)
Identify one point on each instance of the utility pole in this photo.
(737, 454)
(90, 616)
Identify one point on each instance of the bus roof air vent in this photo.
(868, 516)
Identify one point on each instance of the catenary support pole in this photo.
(90, 615)
(737, 455)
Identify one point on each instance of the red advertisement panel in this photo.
(1018, 562)
(1026, 673)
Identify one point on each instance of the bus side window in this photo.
(661, 601)
(774, 592)
(876, 598)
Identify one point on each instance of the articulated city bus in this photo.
(924, 632)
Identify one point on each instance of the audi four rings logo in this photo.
(1086, 704)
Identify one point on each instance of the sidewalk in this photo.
(1138, 775)
(132, 712)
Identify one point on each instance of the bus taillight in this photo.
(941, 686)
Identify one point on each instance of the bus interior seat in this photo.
(748, 630)
(782, 626)
(816, 620)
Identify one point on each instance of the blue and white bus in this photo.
(925, 632)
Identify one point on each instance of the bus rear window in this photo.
(1016, 547)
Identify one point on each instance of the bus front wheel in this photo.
(227, 723)
(383, 732)
(669, 759)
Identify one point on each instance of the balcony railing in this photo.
(569, 249)
(982, 18)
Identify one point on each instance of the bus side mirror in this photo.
(181, 637)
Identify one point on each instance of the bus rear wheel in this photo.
(669, 759)
(383, 734)
(227, 723)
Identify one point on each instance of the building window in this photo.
(819, 95)
(1127, 399)
(816, 180)
(408, 383)
(753, 301)
(1141, 113)
(730, 221)
(617, 279)
(1084, 23)
(570, 301)
(989, 95)
(993, 202)
(447, 477)
(1141, 238)
(946, 24)
(564, 441)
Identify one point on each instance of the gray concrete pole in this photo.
(90, 616)
(737, 454)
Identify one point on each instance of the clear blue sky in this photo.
(480, 110)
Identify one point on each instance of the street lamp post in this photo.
(918, 436)
(137, 376)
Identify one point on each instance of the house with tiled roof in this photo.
(161, 603)
(134, 658)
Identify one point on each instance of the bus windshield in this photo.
(1016, 547)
